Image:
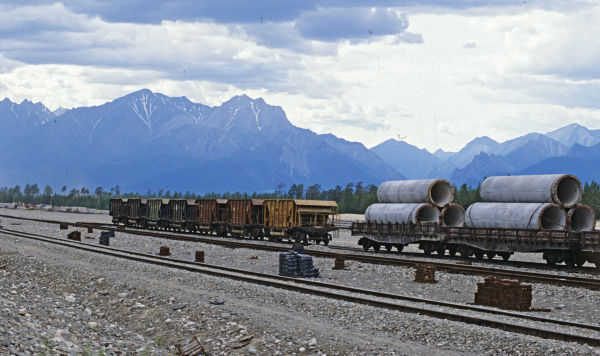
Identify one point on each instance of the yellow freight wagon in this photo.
(300, 220)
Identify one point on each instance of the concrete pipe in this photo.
(530, 216)
(438, 192)
(453, 215)
(563, 189)
(402, 213)
(581, 218)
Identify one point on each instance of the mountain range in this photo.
(571, 149)
(149, 140)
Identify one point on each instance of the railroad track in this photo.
(535, 277)
(218, 241)
(443, 310)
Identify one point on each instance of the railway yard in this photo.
(60, 296)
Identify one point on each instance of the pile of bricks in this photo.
(294, 264)
(504, 293)
(425, 274)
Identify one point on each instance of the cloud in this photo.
(333, 24)
(561, 44)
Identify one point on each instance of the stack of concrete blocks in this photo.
(104, 238)
(294, 264)
(504, 293)
(533, 202)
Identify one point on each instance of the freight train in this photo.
(518, 214)
(273, 219)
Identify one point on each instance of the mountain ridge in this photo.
(149, 140)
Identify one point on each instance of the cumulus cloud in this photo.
(333, 24)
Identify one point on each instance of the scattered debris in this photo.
(4, 265)
(64, 226)
(425, 273)
(467, 263)
(255, 257)
(216, 302)
(90, 230)
(546, 310)
(192, 348)
(245, 341)
(504, 293)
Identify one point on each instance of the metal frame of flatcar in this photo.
(572, 248)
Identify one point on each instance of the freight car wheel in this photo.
(399, 248)
(427, 250)
(388, 247)
(579, 260)
(479, 255)
(505, 255)
(491, 255)
(452, 251)
(326, 242)
(441, 251)
(366, 245)
(376, 246)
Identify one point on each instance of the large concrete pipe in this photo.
(581, 218)
(453, 215)
(438, 192)
(530, 216)
(563, 189)
(402, 213)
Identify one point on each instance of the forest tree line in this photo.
(352, 198)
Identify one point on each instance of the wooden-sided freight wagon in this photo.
(300, 220)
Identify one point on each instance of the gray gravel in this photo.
(53, 298)
(575, 304)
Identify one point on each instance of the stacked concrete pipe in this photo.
(416, 201)
(533, 202)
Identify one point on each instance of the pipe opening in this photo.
(453, 216)
(428, 213)
(553, 218)
(568, 191)
(441, 193)
(582, 219)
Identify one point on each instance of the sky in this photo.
(435, 74)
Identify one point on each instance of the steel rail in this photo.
(283, 283)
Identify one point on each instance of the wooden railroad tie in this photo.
(340, 261)
(504, 293)
(164, 251)
(74, 235)
(200, 256)
(425, 273)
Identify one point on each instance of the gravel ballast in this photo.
(114, 305)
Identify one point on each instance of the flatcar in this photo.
(571, 248)
(273, 219)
